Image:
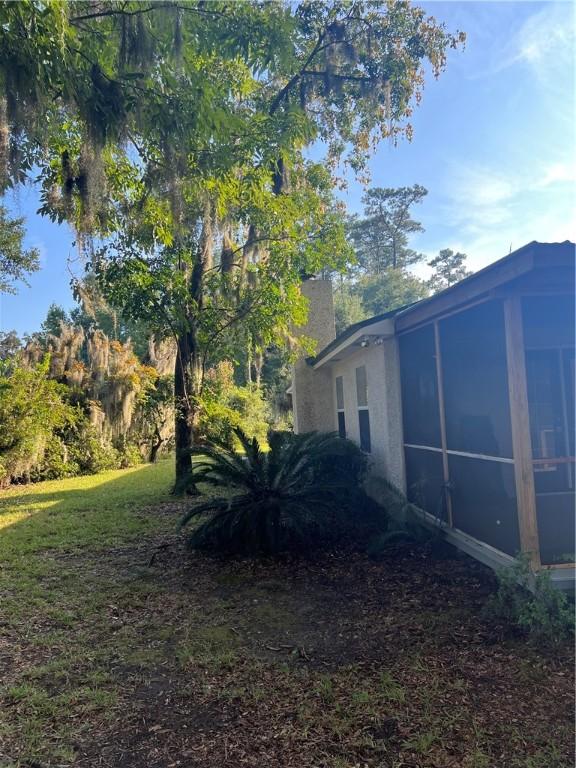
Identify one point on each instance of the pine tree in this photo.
(449, 268)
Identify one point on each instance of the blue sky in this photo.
(494, 143)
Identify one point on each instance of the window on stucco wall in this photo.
(340, 407)
(363, 412)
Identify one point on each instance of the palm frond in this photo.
(305, 491)
(212, 506)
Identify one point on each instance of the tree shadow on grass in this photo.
(96, 510)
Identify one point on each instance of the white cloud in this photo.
(547, 37)
(486, 189)
(476, 197)
(557, 173)
(479, 195)
(551, 225)
(487, 211)
(544, 43)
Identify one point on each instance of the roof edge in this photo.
(404, 311)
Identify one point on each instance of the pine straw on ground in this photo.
(153, 657)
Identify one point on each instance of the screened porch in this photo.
(487, 378)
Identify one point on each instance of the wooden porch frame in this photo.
(521, 439)
(442, 415)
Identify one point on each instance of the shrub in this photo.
(225, 405)
(530, 602)
(405, 523)
(56, 462)
(32, 406)
(90, 453)
(128, 454)
(302, 493)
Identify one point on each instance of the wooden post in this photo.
(442, 416)
(521, 440)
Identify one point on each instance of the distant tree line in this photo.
(381, 277)
(92, 391)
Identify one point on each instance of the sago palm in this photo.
(303, 491)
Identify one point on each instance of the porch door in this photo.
(550, 380)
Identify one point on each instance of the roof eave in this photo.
(380, 329)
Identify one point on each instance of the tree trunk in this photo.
(258, 365)
(184, 417)
(249, 363)
(189, 369)
(155, 447)
(153, 457)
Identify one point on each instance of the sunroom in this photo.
(487, 380)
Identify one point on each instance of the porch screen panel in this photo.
(556, 529)
(548, 323)
(474, 368)
(484, 501)
(570, 389)
(420, 409)
(425, 480)
(547, 431)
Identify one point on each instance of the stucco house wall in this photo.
(314, 387)
(381, 362)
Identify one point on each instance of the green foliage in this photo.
(155, 417)
(303, 492)
(530, 602)
(129, 454)
(32, 406)
(90, 452)
(381, 238)
(10, 345)
(379, 280)
(45, 429)
(244, 79)
(389, 290)
(449, 268)
(56, 463)
(79, 449)
(52, 325)
(173, 135)
(15, 261)
(348, 305)
(276, 377)
(95, 312)
(225, 406)
(368, 295)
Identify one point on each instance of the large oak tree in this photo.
(174, 132)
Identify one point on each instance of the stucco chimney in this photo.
(312, 396)
(321, 324)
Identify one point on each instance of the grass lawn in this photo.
(119, 649)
